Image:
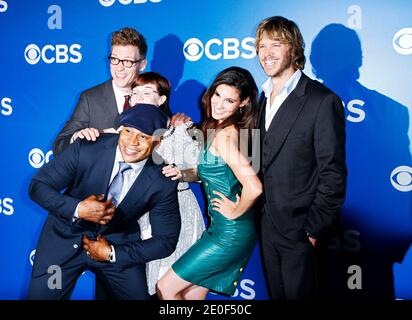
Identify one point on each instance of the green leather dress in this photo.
(217, 260)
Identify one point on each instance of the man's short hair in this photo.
(130, 37)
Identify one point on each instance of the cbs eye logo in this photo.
(401, 178)
(215, 49)
(108, 3)
(3, 6)
(402, 41)
(193, 49)
(37, 158)
(59, 53)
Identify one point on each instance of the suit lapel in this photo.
(262, 106)
(139, 187)
(284, 120)
(134, 199)
(105, 164)
(110, 101)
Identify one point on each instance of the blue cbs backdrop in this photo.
(52, 50)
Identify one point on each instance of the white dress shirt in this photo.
(267, 88)
(119, 96)
(129, 177)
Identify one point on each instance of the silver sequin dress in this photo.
(179, 148)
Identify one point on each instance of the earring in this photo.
(241, 111)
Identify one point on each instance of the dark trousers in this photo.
(100, 291)
(102, 294)
(291, 266)
(127, 284)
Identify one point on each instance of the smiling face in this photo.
(274, 57)
(123, 77)
(225, 101)
(147, 93)
(135, 145)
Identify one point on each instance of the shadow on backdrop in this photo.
(376, 220)
(169, 61)
(185, 97)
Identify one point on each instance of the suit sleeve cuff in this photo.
(72, 139)
(76, 213)
(112, 257)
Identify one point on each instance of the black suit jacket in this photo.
(96, 108)
(84, 169)
(303, 161)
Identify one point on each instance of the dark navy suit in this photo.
(82, 170)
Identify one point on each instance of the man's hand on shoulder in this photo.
(90, 134)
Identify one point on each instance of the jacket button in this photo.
(241, 269)
(75, 246)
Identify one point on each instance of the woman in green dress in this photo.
(217, 260)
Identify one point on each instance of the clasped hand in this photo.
(94, 209)
(98, 249)
(224, 205)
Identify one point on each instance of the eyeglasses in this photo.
(126, 63)
(143, 91)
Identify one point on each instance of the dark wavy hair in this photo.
(242, 80)
(280, 28)
(162, 87)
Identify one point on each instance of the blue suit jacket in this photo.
(84, 169)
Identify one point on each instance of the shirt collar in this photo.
(289, 85)
(118, 93)
(136, 166)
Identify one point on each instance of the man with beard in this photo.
(302, 125)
